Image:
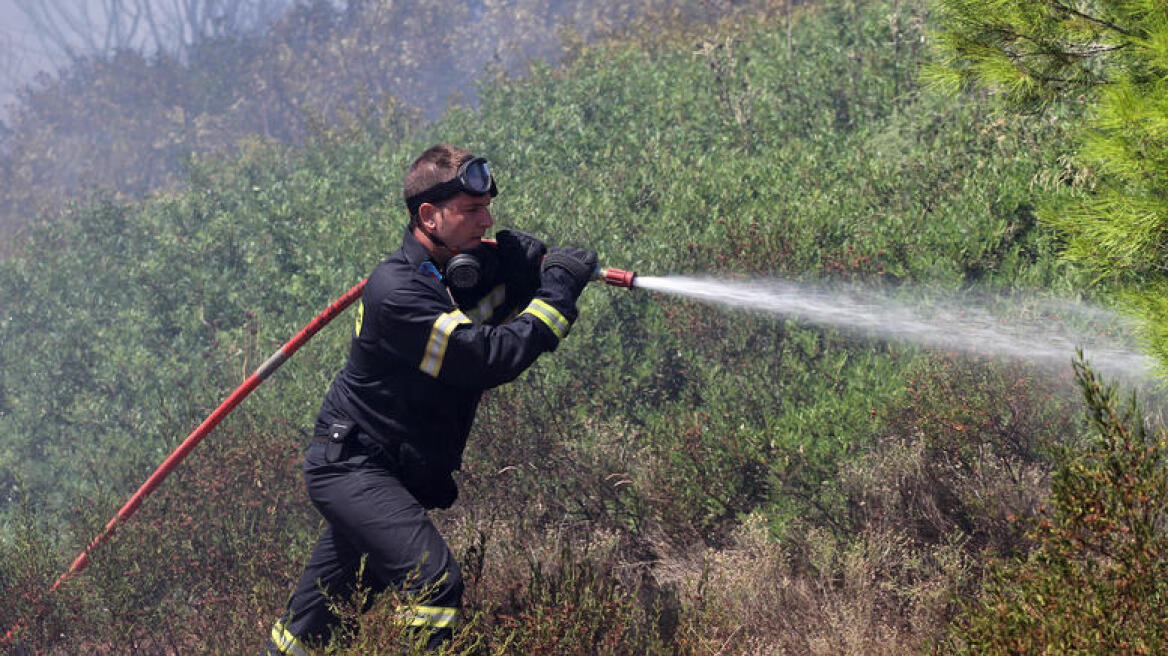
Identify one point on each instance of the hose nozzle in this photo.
(615, 277)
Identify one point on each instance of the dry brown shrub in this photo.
(930, 495)
(813, 593)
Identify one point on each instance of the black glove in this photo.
(521, 246)
(579, 262)
(565, 273)
(521, 254)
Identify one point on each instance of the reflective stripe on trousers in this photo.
(284, 642)
(435, 617)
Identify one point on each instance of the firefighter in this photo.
(440, 320)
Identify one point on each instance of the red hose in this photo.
(253, 381)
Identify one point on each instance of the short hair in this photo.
(437, 165)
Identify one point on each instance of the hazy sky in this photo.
(23, 54)
(20, 53)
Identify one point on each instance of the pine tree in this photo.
(1112, 56)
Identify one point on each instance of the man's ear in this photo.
(427, 218)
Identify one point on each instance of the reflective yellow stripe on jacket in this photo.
(488, 305)
(286, 642)
(435, 617)
(439, 339)
(550, 316)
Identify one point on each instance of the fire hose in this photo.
(608, 275)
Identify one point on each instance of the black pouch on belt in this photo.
(338, 436)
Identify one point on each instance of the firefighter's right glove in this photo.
(521, 255)
(579, 262)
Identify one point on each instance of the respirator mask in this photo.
(469, 269)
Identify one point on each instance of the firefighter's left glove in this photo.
(565, 273)
(519, 246)
(579, 262)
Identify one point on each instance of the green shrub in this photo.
(1097, 580)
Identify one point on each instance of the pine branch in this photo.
(1058, 6)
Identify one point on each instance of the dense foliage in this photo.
(1109, 200)
(674, 479)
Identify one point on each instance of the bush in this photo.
(203, 567)
(1097, 579)
(620, 469)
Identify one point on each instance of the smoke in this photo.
(41, 36)
(20, 58)
(463, 39)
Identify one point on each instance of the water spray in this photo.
(965, 325)
(1047, 333)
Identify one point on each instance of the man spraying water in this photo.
(433, 330)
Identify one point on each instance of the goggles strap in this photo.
(452, 187)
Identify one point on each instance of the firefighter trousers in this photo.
(371, 514)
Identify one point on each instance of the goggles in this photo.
(473, 177)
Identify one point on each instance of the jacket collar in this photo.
(413, 249)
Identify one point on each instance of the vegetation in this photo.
(1103, 538)
(1108, 199)
(1095, 582)
(674, 479)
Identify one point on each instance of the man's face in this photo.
(463, 220)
